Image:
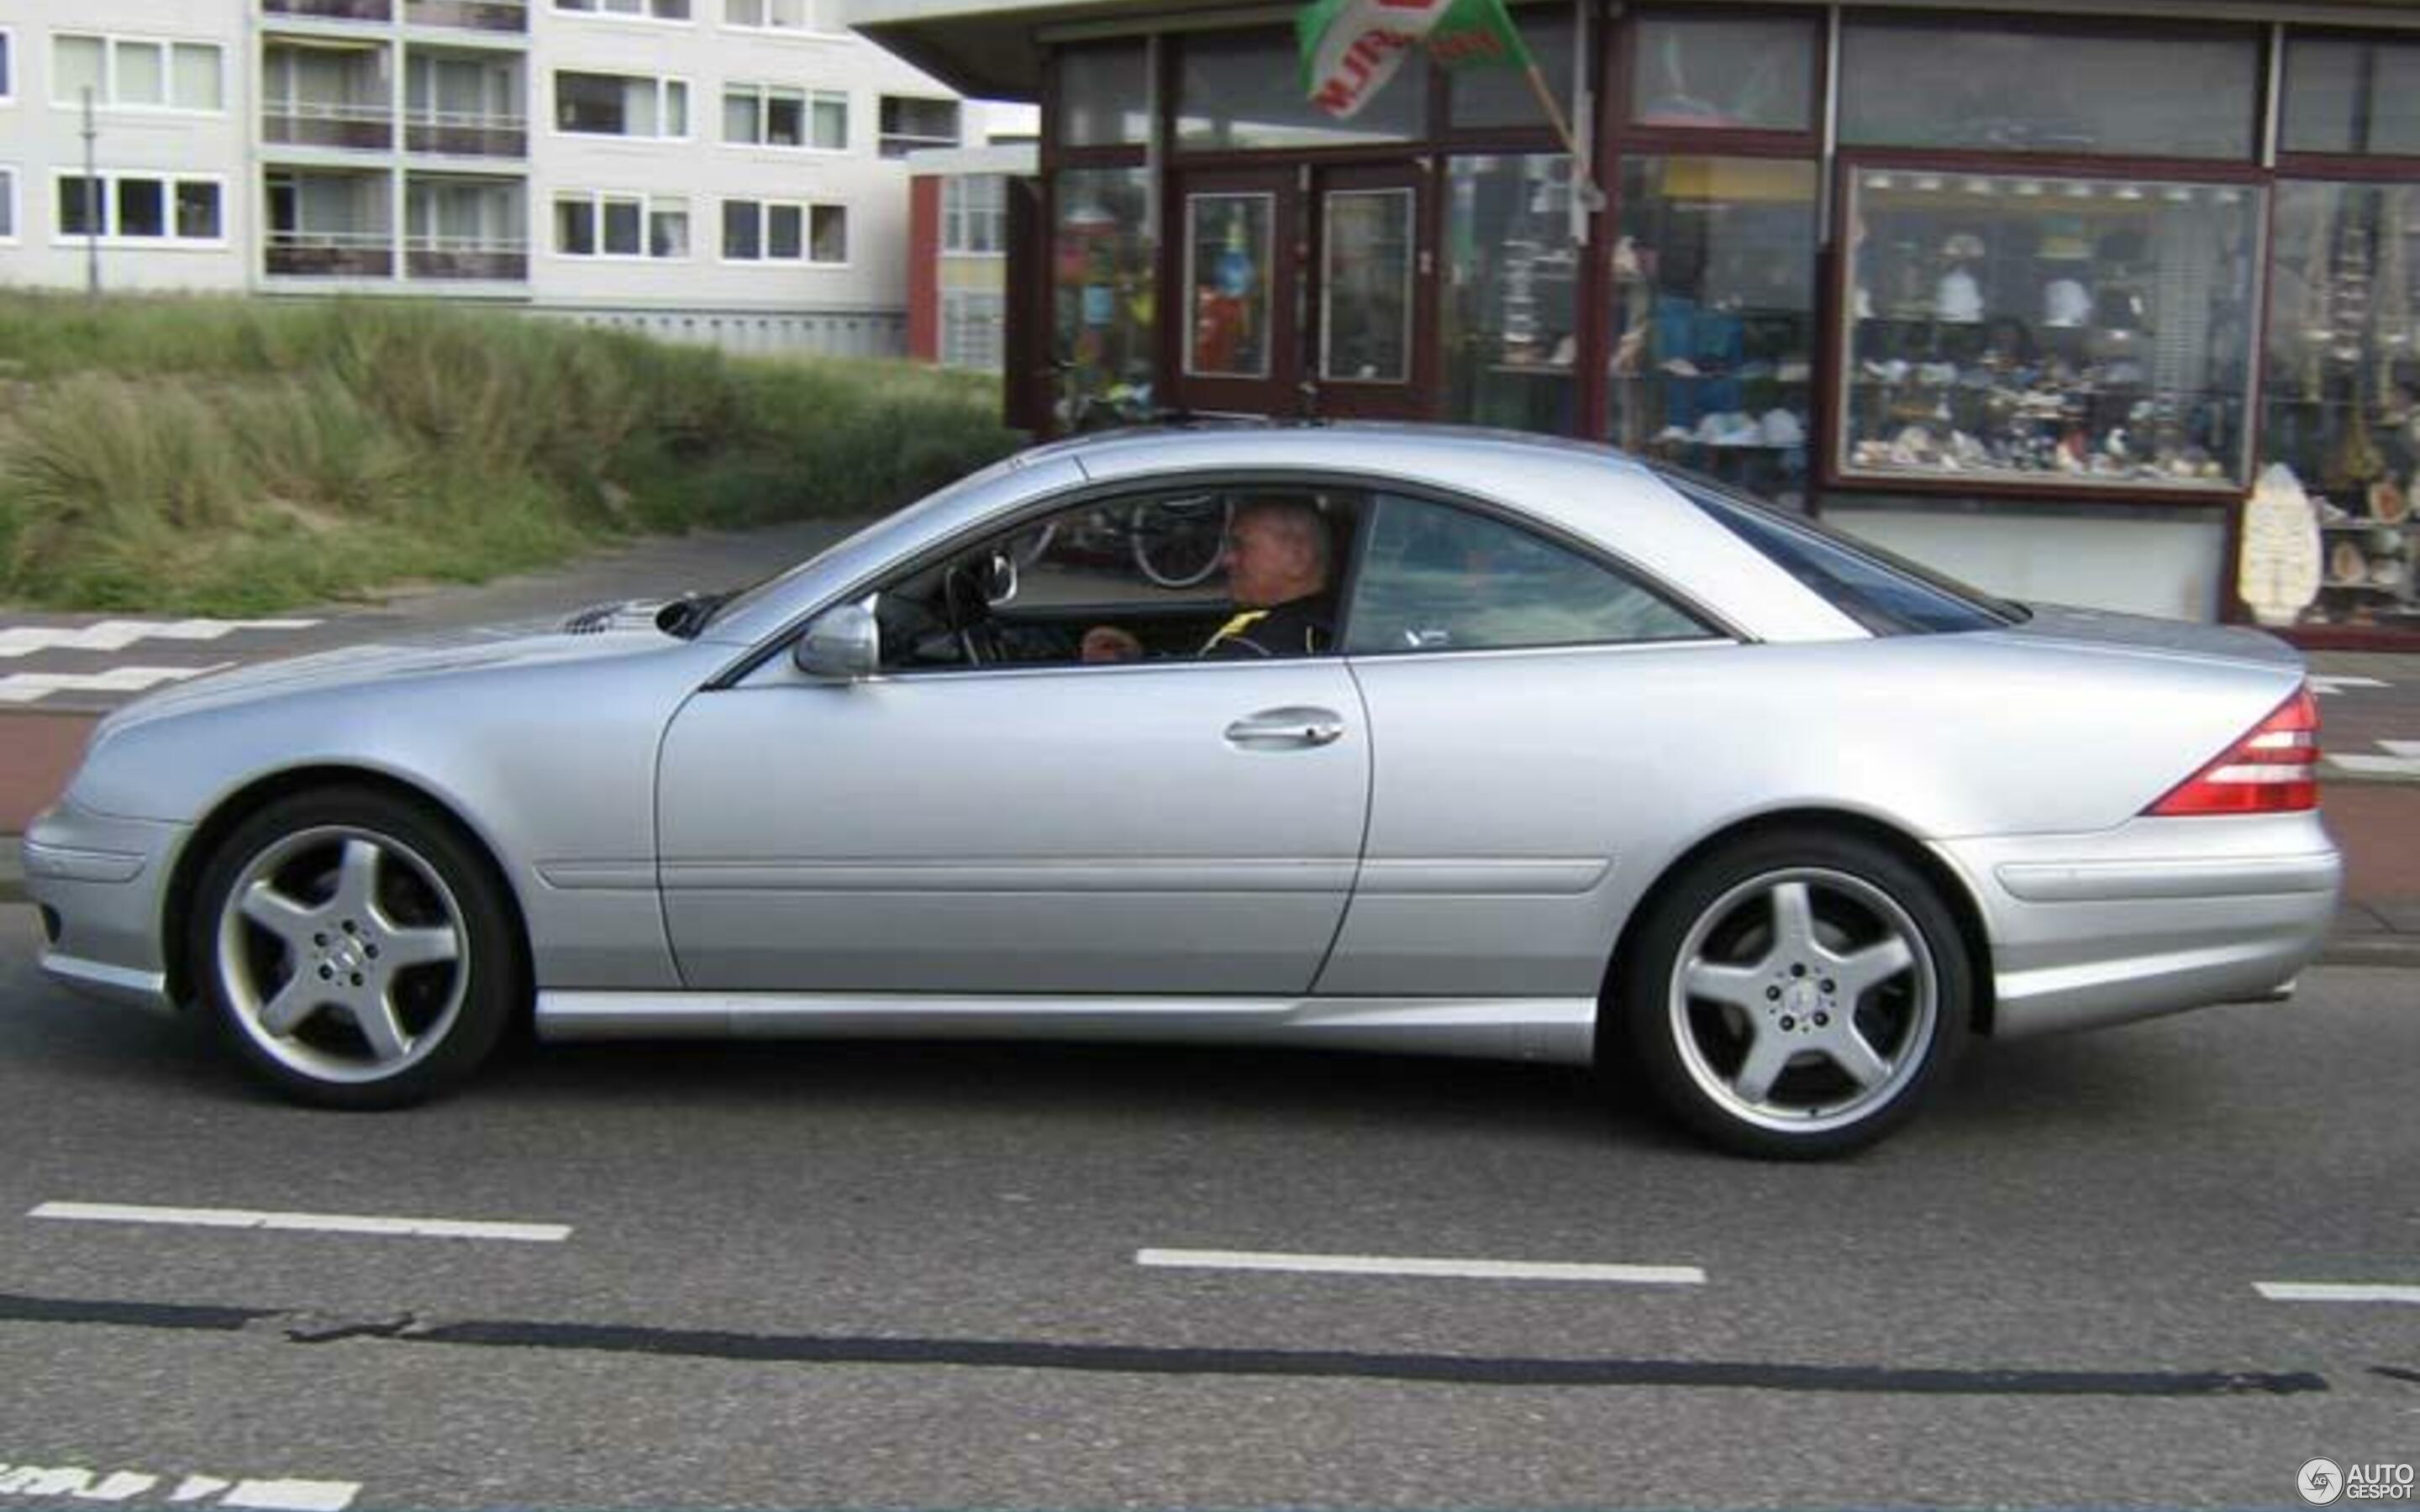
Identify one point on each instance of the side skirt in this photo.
(1558, 1029)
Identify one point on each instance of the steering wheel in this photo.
(967, 612)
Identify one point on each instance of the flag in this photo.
(1351, 48)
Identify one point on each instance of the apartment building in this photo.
(728, 171)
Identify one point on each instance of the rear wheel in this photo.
(357, 952)
(1795, 995)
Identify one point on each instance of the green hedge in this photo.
(219, 455)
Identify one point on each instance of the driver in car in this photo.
(1279, 557)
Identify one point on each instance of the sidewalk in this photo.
(59, 673)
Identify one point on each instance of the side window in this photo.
(1439, 579)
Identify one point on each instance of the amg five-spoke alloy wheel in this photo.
(356, 949)
(1797, 995)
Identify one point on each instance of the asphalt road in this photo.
(893, 1276)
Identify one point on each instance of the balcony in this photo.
(456, 134)
(470, 15)
(304, 123)
(331, 255)
(379, 10)
(484, 258)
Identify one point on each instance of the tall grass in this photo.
(225, 456)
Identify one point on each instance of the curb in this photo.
(2367, 947)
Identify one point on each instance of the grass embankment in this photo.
(228, 456)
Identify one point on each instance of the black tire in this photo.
(372, 959)
(1765, 1005)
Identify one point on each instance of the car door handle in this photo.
(1287, 729)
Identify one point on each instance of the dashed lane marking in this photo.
(1212, 1259)
(27, 688)
(117, 635)
(2368, 765)
(83, 1485)
(308, 1223)
(2327, 687)
(2336, 1291)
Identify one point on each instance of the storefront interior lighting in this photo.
(1978, 186)
(2079, 191)
(2130, 192)
(2180, 194)
(1929, 184)
(1881, 180)
(2029, 188)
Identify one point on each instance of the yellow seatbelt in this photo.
(1233, 627)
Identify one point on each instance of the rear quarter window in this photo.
(1886, 594)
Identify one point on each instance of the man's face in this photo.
(1265, 564)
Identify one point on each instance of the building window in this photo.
(1725, 72)
(973, 214)
(773, 115)
(7, 68)
(773, 15)
(2027, 85)
(136, 72)
(1712, 316)
(971, 329)
(1243, 93)
(1102, 258)
(619, 104)
(145, 209)
(2351, 95)
(600, 224)
(1102, 95)
(2047, 330)
(643, 9)
(8, 203)
(784, 231)
(909, 123)
(1509, 292)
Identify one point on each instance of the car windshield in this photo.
(1885, 593)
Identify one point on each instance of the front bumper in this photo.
(2152, 916)
(101, 882)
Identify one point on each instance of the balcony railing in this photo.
(332, 9)
(455, 134)
(491, 258)
(473, 15)
(331, 255)
(305, 123)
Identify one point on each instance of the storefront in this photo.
(2114, 309)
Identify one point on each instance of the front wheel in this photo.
(1796, 996)
(357, 952)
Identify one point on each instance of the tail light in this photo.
(2273, 770)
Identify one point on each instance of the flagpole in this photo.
(1554, 110)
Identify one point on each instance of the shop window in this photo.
(1488, 98)
(1245, 93)
(2348, 95)
(2048, 330)
(1718, 72)
(1713, 316)
(1103, 291)
(1230, 240)
(1511, 271)
(2341, 397)
(2032, 86)
(1365, 305)
(1104, 96)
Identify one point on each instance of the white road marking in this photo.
(2376, 765)
(2403, 748)
(286, 1494)
(117, 635)
(25, 687)
(2325, 686)
(308, 1223)
(1213, 1259)
(2333, 1291)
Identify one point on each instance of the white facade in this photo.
(718, 170)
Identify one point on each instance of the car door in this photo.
(1513, 684)
(1153, 827)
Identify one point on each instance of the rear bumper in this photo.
(2151, 917)
(102, 880)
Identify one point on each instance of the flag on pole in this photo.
(1351, 48)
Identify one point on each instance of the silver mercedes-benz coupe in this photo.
(1534, 752)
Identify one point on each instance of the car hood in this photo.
(2107, 628)
(617, 631)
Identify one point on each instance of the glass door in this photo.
(1238, 345)
(1370, 345)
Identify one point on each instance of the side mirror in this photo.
(843, 645)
